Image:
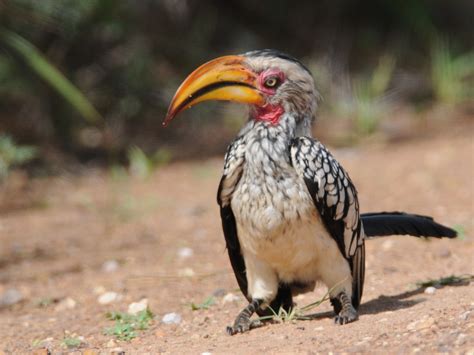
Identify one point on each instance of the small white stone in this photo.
(67, 303)
(185, 252)
(230, 297)
(98, 290)
(430, 290)
(188, 272)
(206, 353)
(461, 339)
(110, 266)
(137, 307)
(426, 322)
(10, 297)
(319, 328)
(108, 297)
(465, 315)
(171, 318)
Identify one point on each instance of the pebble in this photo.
(160, 333)
(65, 304)
(445, 253)
(319, 328)
(461, 339)
(430, 290)
(111, 343)
(185, 252)
(98, 290)
(137, 307)
(117, 350)
(171, 318)
(421, 324)
(108, 297)
(188, 272)
(110, 266)
(220, 292)
(230, 297)
(465, 315)
(206, 353)
(10, 297)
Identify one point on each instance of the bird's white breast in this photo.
(277, 221)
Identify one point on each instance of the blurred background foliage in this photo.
(90, 80)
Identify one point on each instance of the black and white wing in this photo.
(233, 168)
(335, 197)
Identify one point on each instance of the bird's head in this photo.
(270, 82)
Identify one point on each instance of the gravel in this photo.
(108, 297)
(10, 297)
(171, 318)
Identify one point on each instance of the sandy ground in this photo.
(54, 245)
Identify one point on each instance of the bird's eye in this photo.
(271, 82)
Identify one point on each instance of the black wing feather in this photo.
(395, 223)
(335, 198)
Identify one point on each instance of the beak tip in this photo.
(168, 118)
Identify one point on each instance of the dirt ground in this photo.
(61, 237)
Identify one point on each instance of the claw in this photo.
(346, 312)
(243, 325)
(346, 316)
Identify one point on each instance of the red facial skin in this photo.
(269, 113)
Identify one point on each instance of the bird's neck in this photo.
(271, 141)
(287, 127)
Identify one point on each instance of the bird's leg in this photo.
(243, 323)
(345, 311)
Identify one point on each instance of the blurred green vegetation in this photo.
(12, 155)
(92, 79)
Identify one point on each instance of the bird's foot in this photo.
(243, 323)
(347, 312)
(346, 316)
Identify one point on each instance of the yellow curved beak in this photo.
(224, 78)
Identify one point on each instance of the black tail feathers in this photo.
(381, 224)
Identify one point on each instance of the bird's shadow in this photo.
(388, 303)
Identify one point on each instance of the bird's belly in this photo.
(281, 228)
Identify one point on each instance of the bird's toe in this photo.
(346, 316)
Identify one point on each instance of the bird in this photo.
(290, 212)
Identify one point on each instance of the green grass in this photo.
(452, 76)
(295, 313)
(143, 165)
(205, 305)
(446, 281)
(298, 313)
(126, 326)
(12, 155)
(32, 57)
(460, 230)
(71, 342)
(369, 105)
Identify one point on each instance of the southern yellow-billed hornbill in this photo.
(289, 211)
